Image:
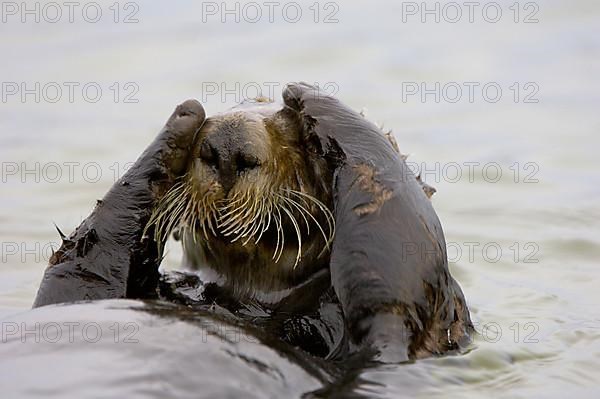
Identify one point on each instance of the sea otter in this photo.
(255, 204)
(304, 210)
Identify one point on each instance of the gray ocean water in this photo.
(500, 114)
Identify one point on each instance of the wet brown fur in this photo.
(367, 181)
(246, 267)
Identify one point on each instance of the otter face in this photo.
(255, 203)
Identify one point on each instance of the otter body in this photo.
(311, 225)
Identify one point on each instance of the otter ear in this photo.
(381, 216)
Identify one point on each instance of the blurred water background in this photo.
(524, 245)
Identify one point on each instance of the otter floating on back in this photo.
(306, 214)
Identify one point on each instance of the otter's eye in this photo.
(209, 154)
(246, 161)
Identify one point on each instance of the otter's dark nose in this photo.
(230, 159)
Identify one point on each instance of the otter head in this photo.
(255, 204)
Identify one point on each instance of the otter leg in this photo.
(429, 190)
(107, 256)
(388, 258)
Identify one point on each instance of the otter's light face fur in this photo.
(255, 203)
